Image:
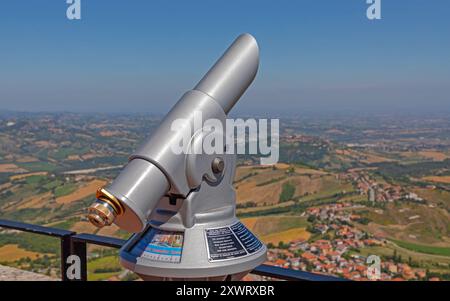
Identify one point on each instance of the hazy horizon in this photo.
(5, 113)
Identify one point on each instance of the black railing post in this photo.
(65, 253)
(79, 249)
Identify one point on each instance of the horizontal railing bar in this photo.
(99, 240)
(290, 274)
(262, 270)
(35, 228)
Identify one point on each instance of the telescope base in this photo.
(226, 251)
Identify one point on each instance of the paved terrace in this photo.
(13, 274)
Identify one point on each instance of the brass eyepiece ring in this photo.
(104, 195)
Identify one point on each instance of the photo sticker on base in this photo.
(164, 246)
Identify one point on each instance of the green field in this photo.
(103, 268)
(35, 179)
(101, 276)
(65, 224)
(38, 166)
(53, 184)
(64, 152)
(422, 248)
(423, 260)
(65, 189)
(31, 242)
(287, 192)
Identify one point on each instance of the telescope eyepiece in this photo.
(104, 210)
(101, 214)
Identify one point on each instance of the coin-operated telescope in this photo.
(182, 206)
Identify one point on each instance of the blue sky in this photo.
(142, 55)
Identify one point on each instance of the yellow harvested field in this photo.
(309, 171)
(82, 192)
(74, 158)
(27, 159)
(250, 222)
(268, 193)
(37, 201)
(344, 152)
(369, 159)
(267, 225)
(10, 253)
(409, 154)
(5, 186)
(89, 156)
(110, 133)
(84, 227)
(358, 169)
(438, 179)
(45, 144)
(434, 155)
(296, 234)
(362, 156)
(242, 171)
(273, 229)
(26, 175)
(10, 167)
(282, 166)
(437, 156)
(108, 231)
(259, 208)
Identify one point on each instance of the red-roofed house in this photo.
(308, 256)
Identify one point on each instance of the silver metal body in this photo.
(209, 208)
(188, 200)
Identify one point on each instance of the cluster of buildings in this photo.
(374, 191)
(293, 138)
(326, 256)
(332, 257)
(377, 192)
(339, 255)
(330, 216)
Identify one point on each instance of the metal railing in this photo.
(73, 243)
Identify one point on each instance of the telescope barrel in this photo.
(133, 195)
(233, 73)
(139, 181)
